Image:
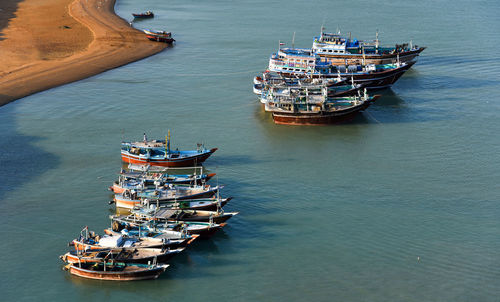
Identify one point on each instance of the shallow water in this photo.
(399, 205)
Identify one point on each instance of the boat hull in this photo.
(143, 16)
(215, 219)
(161, 256)
(320, 118)
(188, 161)
(159, 38)
(117, 276)
(205, 232)
(375, 80)
(125, 203)
(377, 59)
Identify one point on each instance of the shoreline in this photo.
(45, 57)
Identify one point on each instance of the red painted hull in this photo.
(172, 162)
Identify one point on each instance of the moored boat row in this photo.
(164, 214)
(328, 83)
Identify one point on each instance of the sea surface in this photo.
(401, 204)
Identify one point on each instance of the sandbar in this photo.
(47, 43)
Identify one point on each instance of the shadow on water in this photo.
(389, 108)
(7, 12)
(20, 160)
(389, 98)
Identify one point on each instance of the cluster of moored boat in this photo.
(158, 214)
(154, 35)
(329, 82)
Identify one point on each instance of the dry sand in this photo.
(47, 43)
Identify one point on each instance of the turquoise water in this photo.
(401, 204)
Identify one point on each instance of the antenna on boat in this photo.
(376, 41)
(167, 145)
(322, 30)
(293, 41)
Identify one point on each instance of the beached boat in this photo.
(341, 50)
(126, 255)
(159, 36)
(90, 241)
(148, 14)
(303, 63)
(158, 153)
(116, 271)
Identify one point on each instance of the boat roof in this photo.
(146, 144)
(299, 52)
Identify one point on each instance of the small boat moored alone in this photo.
(148, 14)
(159, 36)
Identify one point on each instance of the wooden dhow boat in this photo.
(150, 181)
(165, 214)
(153, 228)
(303, 63)
(143, 215)
(131, 199)
(159, 36)
(158, 153)
(275, 85)
(126, 255)
(341, 50)
(90, 241)
(208, 204)
(316, 110)
(116, 271)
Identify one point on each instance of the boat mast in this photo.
(167, 143)
(293, 41)
(376, 41)
(364, 56)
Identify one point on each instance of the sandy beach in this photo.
(47, 43)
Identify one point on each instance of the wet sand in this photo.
(47, 43)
